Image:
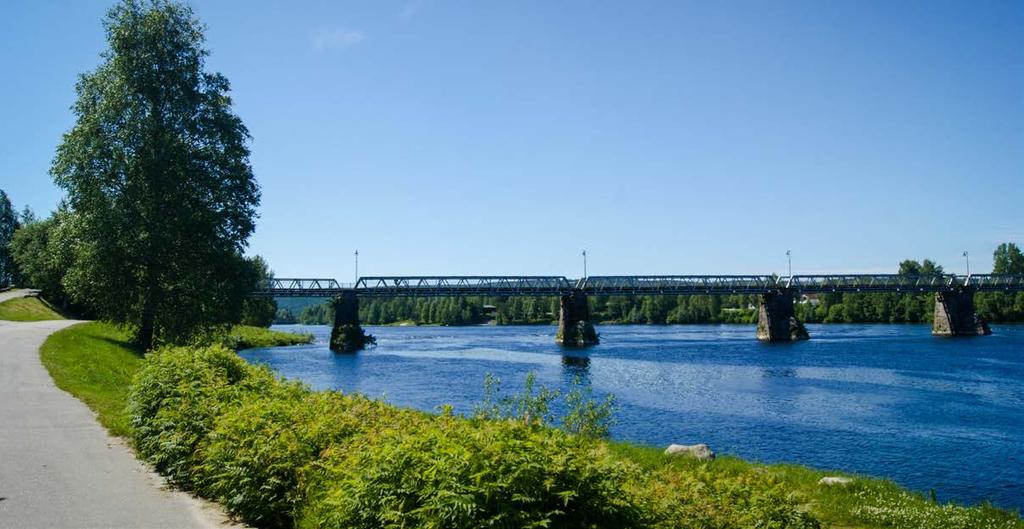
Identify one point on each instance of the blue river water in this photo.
(883, 400)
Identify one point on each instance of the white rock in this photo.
(700, 451)
(834, 480)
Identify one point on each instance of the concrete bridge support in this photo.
(346, 334)
(574, 327)
(776, 319)
(955, 316)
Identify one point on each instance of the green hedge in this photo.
(277, 454)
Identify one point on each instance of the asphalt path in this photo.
(60, 469)
(16, 293)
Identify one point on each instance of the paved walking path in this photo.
(16, 293)
(59, 468)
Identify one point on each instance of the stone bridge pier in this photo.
(776, 318)
(346, 334)
(955, 316)
(574, 327)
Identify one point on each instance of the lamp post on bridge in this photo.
(584, 264)
(357, 265)
(789, 258)
(968, 259)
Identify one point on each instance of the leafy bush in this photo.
(176, 398)
(276, 453)
(256, 453)
(449, 472)
(531, 406)
(583, 415)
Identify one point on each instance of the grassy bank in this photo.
(96, 362)
(277, 454)
(245, 336)
(29, 308)
(864, 503)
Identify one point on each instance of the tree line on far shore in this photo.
(881, 307)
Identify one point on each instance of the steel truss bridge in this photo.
(502, 286)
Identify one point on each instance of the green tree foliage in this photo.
(44, 252)
(432, 311)
(27, 216)
(285, 316)
(8, 225)
(156, 167)
(1003, 306)
(258, 312)
(1008, 259)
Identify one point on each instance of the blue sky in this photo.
(504, 137)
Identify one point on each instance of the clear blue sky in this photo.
(504, 137)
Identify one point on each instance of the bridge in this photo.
(954, 295)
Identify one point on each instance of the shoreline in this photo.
(867, 502)
(616, 323)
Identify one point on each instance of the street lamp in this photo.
(789, 257)
(968, 259)
(584, 264)
(357, 265)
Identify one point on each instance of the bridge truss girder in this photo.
(653, 285)
(447, 286)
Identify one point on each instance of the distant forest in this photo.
(825, 308)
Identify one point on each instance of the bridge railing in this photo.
(873, 283)
(904, 283)
(996, 282)
(669, 284)
(432, 286)
(437, 286)
(305, 287)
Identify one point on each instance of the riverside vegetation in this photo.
(277, 454)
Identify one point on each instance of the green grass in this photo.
(866, 503)
(246, 336)
(29, 308)
(95, 362)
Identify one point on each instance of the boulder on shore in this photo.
(834, 480)
(699, 451)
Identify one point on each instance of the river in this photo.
(883, 400)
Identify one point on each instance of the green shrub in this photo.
(254, 456)
(275, 453)
(177, 396)
(586, 416)
(531, 406)
(453, 473)
(583, 415)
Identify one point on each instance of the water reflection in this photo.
(778, 372)
(576, 363)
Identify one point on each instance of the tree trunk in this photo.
(147, 330)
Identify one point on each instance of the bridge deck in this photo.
(500, 286)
